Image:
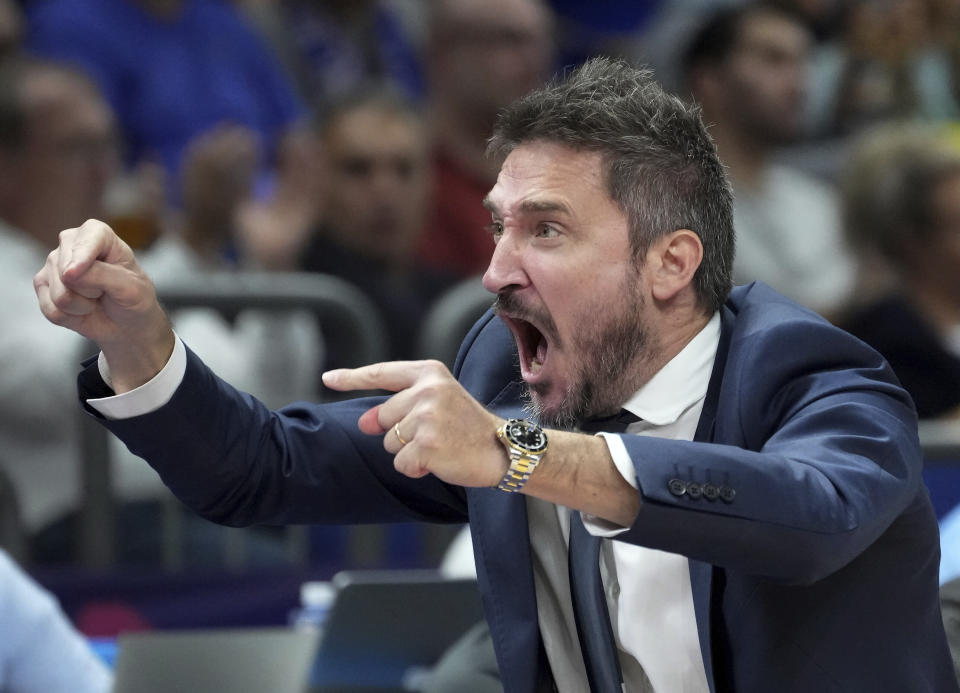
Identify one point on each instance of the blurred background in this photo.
(302, 179)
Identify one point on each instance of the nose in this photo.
(383, 181)
(506, 268)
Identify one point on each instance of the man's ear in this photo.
(672, 261)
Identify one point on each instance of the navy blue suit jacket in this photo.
(815, 571)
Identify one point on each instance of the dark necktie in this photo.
(586, 588)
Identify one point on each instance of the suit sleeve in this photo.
(819, 455)
(234, 461)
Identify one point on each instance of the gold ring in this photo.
(396, 429)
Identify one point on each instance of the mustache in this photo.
(508, 303)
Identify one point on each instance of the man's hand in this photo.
(219, 167)
(447, 432)
(273, 233)
(92, 284)
(450, 435)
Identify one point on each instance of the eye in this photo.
(356, 167)
(547, 231)
(495, 229)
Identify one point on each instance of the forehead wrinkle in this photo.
(532, 206)
(544, 206)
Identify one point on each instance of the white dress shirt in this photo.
(38, 433)
(789, 235)
(39, 422)
(648, 591)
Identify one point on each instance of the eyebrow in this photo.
(529, 206)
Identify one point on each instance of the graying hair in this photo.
(660, 164)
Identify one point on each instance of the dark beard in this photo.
(609, 373)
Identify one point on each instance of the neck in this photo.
(208, 247)
(681, 334)
(45, 232)
(745, 157)
(675, 331)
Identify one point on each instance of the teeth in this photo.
(535, 364)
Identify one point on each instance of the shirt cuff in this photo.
(150, 396)
(599, 527)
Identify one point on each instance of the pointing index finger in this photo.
(389, 375)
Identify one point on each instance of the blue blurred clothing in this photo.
(923, 359)
(950, 546)
(591, 28)
(331, 60)
(40, 652)
(169, 80)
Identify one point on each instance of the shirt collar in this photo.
(680, 383)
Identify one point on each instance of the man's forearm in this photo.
(578, 472)
(132, 365)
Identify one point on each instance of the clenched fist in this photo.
(92, 284)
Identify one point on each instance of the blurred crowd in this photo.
(348, 137)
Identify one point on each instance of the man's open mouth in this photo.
(533, 346)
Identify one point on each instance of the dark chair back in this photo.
(12, 533)
(450, 318)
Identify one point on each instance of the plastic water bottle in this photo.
(315, 600)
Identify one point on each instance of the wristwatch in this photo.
(526, 443)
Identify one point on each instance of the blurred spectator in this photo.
(172, 69)
(374, 197)
(891, 61)
(586, 29)
(821, 17)
(481, 55)
(950, 573)
(331, 48)
(745, 66)
(273, 355)
(945, 31)
(11, 28)
(40, 651)
(902, 210)
(58, 151)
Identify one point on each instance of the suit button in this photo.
(694, 490)
(677, 487)
(727, 494)
(711, 492)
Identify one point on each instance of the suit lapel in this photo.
(701, 574)
(501, 539)
(502, 545)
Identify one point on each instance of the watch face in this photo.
(526, 435)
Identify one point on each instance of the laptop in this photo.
(386, 628)
(240, 660)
